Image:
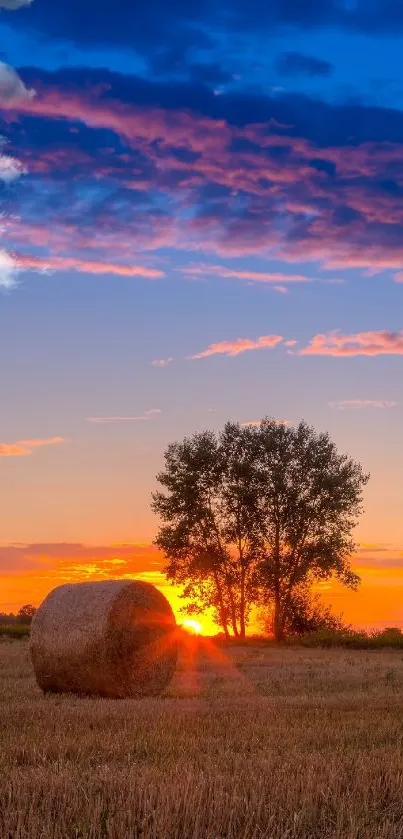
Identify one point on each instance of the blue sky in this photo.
(194, 179)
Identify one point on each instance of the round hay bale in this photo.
(112, 638)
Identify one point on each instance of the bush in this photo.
(350, 639)
(14, 630)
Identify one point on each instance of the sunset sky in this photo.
(202, 220)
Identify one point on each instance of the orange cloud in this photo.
(63, 263)
(239, 346)
(22, 448)
(361, 343)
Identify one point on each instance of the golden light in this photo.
(192, 626)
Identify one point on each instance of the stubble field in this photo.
(247, 743)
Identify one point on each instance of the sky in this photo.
(201, 220)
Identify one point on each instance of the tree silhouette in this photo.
(26, 613)
(252, 515)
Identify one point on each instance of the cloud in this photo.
(109, 420)
(251, 276)
(297, 64)
(241, 345)
(345, 404)
(161, 362)
(12, 5)
(361, 343)
(144, 417)
(258, 423)
(23, 448)
(233, 175)
(9, 268)
(61, 263)
(10, 168)
(13, 92)
(72, 557)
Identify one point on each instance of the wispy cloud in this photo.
(108, 420)
(144, 417)
(240, 345)
(161, 362)
(354, 404)
(22, 448)
(361, 343)
(251, 276)
(258, 423)
(61, 263)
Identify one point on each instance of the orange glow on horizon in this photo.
(29, 573)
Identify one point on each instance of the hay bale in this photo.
(112, 638)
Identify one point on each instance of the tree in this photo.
(253, 515)
(208, 532)
(26, 613)
(310, 497)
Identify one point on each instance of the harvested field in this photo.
(248, 742)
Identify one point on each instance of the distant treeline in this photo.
(327, 638)
(23, 616)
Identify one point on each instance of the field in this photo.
(249, 742)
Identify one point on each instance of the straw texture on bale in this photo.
(114, 638)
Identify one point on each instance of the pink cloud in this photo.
(361, 343)
(22, 448)
(62, 263)
(240, 345)
(251, 276)
(286, 186)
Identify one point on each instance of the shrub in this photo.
(351, 639)
(16, 630)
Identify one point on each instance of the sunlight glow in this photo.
(192, 626)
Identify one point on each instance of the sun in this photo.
(192, 626)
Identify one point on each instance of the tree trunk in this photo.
(225, 627)
(278, 622)
(233, 614)
(221, 607)
(242, 606)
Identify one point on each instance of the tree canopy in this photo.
(251, 514)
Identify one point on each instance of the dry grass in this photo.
(249, 743)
